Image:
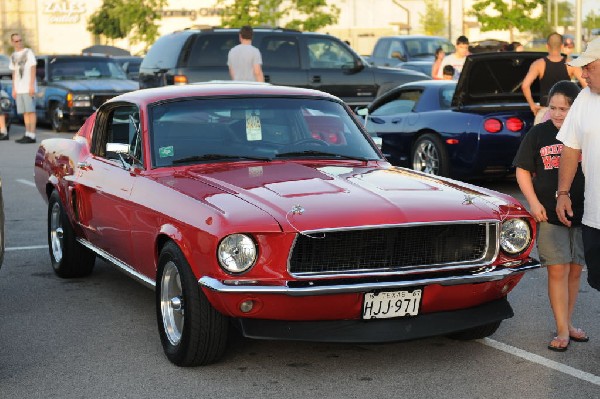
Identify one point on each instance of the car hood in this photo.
(98, 85)
(308, 197)
(495, 78)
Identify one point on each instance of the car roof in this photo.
(415, 37)
(218, 88)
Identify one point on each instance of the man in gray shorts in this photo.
(23, 65)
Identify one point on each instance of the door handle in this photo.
(316, 79)
(397, 120)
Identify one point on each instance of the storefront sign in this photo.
(193, 14)
(63, 11)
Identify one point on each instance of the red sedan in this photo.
(269, 209)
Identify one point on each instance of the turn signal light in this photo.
(492, 125)
(180, 79)
(69, 100)
(514, 124)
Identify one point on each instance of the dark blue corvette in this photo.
(466, 129)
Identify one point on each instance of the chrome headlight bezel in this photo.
(82, 100)
(237, 253)
(515, 236)
(5, 104)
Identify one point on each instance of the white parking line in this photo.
(25, 248)
(563, 368)
(26, 182)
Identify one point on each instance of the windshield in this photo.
(84, 69)
(425, 47)
(192, 131)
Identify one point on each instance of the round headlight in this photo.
(515, 236)
(237, 253)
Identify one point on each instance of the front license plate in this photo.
(384, 305)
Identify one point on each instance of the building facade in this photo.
(60, 26)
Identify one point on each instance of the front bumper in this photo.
(314, 288)
(374, 331)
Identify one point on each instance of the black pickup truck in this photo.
(72, 87)
(290, 58)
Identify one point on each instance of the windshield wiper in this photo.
(319, 154)
(217, 157)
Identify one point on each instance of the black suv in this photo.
(290, 58)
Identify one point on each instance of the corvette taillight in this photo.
(514, 124)
(492, 125)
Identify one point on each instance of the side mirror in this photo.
(364, 111)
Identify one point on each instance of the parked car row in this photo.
(290, 58)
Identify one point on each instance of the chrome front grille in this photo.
(393, 249)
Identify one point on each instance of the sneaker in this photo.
(3, 136)
(25, 140)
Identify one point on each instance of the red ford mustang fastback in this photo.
(269, 209)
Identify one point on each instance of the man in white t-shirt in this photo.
(456, 59)
(24, 87)
(581, 138)
(244, 60)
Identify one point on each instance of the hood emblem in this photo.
(468, 199)
(297, 210)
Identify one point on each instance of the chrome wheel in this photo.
(171, 303)
(56, 232)
(427, 158)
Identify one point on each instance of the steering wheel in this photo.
(311, 141)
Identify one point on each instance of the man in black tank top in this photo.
(548, 70)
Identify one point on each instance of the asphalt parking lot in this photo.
(97, 338)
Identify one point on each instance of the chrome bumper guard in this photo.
(249, 287)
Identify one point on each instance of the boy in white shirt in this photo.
(23, 65)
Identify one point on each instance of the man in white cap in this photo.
(580, 135)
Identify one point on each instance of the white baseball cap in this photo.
(591, 54)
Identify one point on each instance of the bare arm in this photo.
(524, 178)
(258, 73)
(576, 72)
(569, 160)
(32, 81)
(532, 75)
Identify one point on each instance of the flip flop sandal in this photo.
(578, 335)
(563, 344)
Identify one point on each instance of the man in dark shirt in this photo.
(549, 70)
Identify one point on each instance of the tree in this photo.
(134, 19)
(104, 22)
(434, 20)
(591, 21)
(314, 14)
(509, 15)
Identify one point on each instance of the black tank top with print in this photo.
(554, 72)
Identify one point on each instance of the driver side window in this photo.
(123, 135)
(329, 54)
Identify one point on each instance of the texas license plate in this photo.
(384, 305)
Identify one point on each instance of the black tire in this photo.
(476, 332)
(429, 155)
(56, 119)
(69, 258)
(191, 331)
